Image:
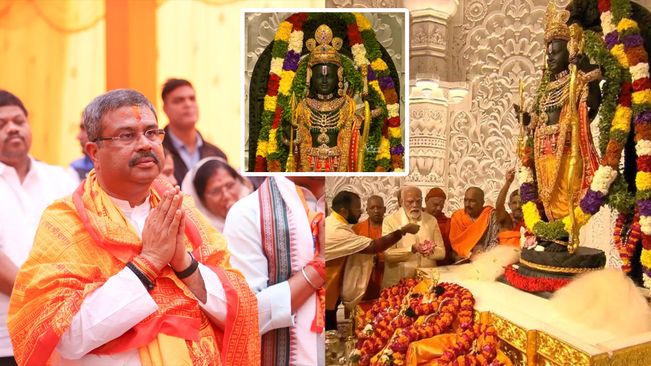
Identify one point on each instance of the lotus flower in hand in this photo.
(425, 248)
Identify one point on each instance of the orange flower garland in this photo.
(475, 346)
(392, 330)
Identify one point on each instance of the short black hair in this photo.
(172, 84)
(344, 199)
(207, 170)
(9, 99)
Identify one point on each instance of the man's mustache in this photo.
(142, 155)
(14, 135)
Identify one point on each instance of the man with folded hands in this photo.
(126, 271)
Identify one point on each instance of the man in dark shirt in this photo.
(182, 139)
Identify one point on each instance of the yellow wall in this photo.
(53, 58)
(52, 54)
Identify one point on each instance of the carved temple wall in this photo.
(466, 60)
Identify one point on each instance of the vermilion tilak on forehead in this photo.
(136, 112)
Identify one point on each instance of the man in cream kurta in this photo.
(402, 259)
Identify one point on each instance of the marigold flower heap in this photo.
(385, 339)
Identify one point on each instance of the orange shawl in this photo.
(81, 242)
(510, 237)
(466, 233)
(374, 287)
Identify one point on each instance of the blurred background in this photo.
(59, 54)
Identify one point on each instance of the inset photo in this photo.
(324, 92)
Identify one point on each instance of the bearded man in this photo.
(421, 249)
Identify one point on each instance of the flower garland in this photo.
(386, 140)
(533, 284)
(613, 76)
(622, 36)
(626, 248)
(437, 323)
(390, 297)
(285, 56)
(384, 150)
(476, 346)
(382, 328)
(384, 340)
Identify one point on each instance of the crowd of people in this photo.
(364, 257)
(151, 249)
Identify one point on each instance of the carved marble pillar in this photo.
(428, 38)
(428, 143)
(430, 97)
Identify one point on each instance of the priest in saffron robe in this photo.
(126, 271)
(474, 228)
(434, 203)
(510, 223)
(372, 228)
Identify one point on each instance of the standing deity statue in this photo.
(552, 118)
(319, 104)
(328, 129)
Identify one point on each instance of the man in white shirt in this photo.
(27, 186)
(402, 259)
(276, 238)
(126, 271)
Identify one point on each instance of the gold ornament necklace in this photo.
(557, 92)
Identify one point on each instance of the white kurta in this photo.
(242, 231)
(121, 303)
(21, 207)
(399, 261)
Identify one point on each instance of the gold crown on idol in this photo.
(323, 47)
(556, 23)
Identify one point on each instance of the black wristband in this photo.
(141, 276)
(188, 271)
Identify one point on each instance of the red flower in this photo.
(272, 85)
(533, 284)
(260, 164)
(625, 94)
(641, 84)
(297, 21)
(604, 5)
(276, 122)
(393, 122)
(644, 163)
(353, 34)
(646, 242)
